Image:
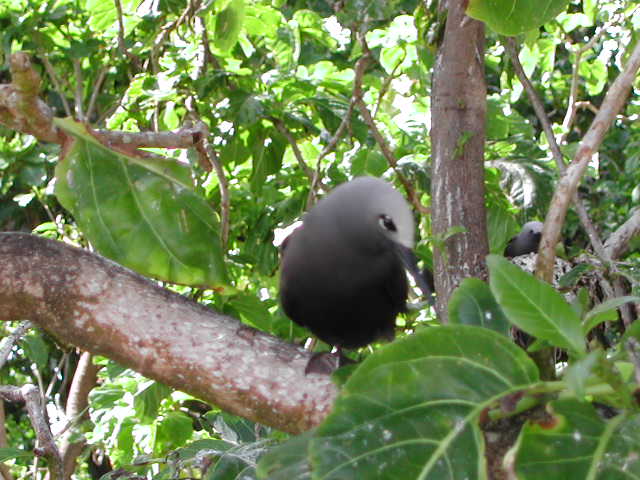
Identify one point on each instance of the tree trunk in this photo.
(457, 138)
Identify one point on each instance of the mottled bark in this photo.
(457, 138)
(88, 301)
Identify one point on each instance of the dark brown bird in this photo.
(343, 272)
(527, 241)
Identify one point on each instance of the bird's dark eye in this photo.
(387, 223)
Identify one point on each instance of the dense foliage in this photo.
(276, 84)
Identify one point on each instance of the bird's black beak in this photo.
(410, 262)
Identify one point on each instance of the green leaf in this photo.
(253, 310)
(210, 444)
(147, 400)
(605, 311)
(501, 226)
(228, 25)
(577, 373)
(571, 278)
(497, 120)
(36, 349)
(369, 162)
(534, 306)
(472, 303)
(141, 212)
(7, 453)
(288, 461)
(173, 430)
(413, 406)
(595, 75)
(512, 17)
(267, 158)
(579, 444)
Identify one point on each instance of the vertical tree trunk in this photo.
(457, 138)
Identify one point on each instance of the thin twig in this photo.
(79, 96)
(209, 155)
(572, 104)
(387, 83)
(225, 201)
(613, 102)
(538, 107)
(208, 58)
(10, 340)
(282, 128)
(596, 242)
(166, 31)
(56, 83)
(361, 66)
(329, 147)
(97, 86)
(46, 446)
(121, 44)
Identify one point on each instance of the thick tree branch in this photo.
(185, 137)
(20, 107)
(618, 242)
(85, 300)
(566, 189)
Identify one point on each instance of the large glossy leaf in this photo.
(534, 306)
(411, 409)
(512, 17)
(140, 212)
(579, 444)
(472, 303)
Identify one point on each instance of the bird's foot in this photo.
(327, 362)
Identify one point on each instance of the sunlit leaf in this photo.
(228, 24)
(141, 212)
(7, 453)
(534, 306)
(511, 17)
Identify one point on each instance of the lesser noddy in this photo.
(343, 271)
(527, 241)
